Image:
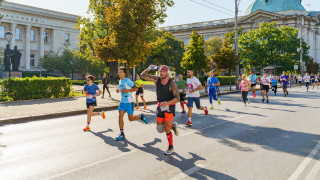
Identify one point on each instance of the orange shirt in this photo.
(245, 85)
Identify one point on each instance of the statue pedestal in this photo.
(5, 74)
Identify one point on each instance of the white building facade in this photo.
(36, 32)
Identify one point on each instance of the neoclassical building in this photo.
(36, 32)
(284, 13)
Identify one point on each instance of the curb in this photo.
(22, 119)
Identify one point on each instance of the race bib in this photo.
(253, 82)
(130, 99)
(180, 90)
(243, 84)
(166, 108)
(89, 96)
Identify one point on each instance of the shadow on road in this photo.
(111, 141)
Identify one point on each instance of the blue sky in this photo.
(184, 11)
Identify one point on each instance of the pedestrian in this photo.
(91, 100)
(182, 88)
(306, 79)
(106, 84)
(265, 81)
(253, 81)
(205, 76)
(139, 84)
(126, 87)
(193, 93)
(213, 83)
(245, 89)
(274, 82)
(285, 79)
(167, 97)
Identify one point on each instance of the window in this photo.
(32, 58)
(2, 32)
(32, 35)
(18, 33)
(67, 38)
(45, 36)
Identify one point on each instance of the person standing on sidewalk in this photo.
(167, 97)
(91, 100)
(213, 83)
(139, 84)
(126, 87)
(106, 84)
(193, 93)
(284, 79)
(253, 80)
(245, 89)
(182, 88)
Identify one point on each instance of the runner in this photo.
(312, 79)
(182, 87)
(253, 80)
(306, 79)
(167, 97)
(300, 80)
(274, 82)
(213, 83)
(126, 87)
(139, 84)
(244, 89)
(193, 93)
(239, 82)
(91, 100)
(265, 80)
(106, 84)
(284, 79)
(316, 80)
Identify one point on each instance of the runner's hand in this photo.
(164, 104)
(124, 91)
(118, 90)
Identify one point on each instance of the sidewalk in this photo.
(50, 108)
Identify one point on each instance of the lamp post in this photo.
(236, 39)
(9, 37)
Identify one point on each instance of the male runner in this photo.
(274, 83)
(213, 82)
(306, 79)
(126, 105)
(265, 80)
(313, 80)
(167, 97)
(253, 80)
(182, 86)
(193, 93)
(284, 79)
(139, 84)
(300, 79)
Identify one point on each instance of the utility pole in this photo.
(301, 49)
(236, 41)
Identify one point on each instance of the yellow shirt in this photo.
(139, 83)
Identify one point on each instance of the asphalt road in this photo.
(280, 140)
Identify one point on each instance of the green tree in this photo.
(312, 67)
(194, 56)
(128, 22)
(212, 46)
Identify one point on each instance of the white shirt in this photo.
(300, 78)
(264, 80)
(193, 83)
(306, 78)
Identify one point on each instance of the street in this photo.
(279, 140)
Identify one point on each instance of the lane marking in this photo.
(304, 163)
(92, 164)
(188, 172)
(314, 171)
(213, 125)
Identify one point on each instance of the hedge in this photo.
(37, 73)
(83, 82)
(35, 88)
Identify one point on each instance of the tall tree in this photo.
(212, 46)
(194, 56)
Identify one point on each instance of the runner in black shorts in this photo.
(265, 80)
(139, 84)
(182, 86)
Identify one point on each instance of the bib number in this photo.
(89, 96)
(166, 108)
(180, 90)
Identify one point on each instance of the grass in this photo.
(148, 82)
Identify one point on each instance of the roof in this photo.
(313, 13)
(275, 5)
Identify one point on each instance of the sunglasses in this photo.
(88, 80)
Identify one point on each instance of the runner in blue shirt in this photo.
(126, 87)
(213, 82)
(274, 82)
(253, 81)
(284, 79)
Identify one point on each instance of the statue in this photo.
(16, 59)
(7, 53)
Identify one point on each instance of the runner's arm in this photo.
(174, 89)
(144, 75)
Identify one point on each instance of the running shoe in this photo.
(169, 151)
(136, 108)
(248, 101)
(145, 107)
(183, 111)
(219, 102)
(211, 107)
(255, 95)
(189, 123)
(205, 110)
(87, 128)
(120, 138)
(267, 100)
(175, 128)
(103, 115)
(144, 118)
(245, 104)
(263, 100)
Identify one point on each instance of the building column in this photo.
(27, 49)
(13, 31)
(41, 42)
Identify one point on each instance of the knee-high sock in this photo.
(169, 137)
(182, 105)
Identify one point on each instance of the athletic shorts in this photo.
(307, 84)
(166, 115)
(253, 85)
(240, 88)
(265, 88)
(299, 82)
(92, 104)
(182, 97)
(312, 81)
(127, 107)
(140, 91)
(196, 100)
(285, 86)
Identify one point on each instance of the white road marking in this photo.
(188, 172)
(304, 163)
(214, 125)
(314, 171)
(88, 165)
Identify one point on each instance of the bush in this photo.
(37, 74)
(83, 82)
(35, 88)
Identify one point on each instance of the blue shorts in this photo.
(196, 100)
(127, 107)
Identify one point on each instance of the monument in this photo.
(11, 63)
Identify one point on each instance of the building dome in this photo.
(275, 5)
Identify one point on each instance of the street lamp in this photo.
(9, 37)
(237, 2)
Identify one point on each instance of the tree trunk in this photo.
(113, 68)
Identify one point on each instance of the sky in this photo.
(183, 12)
